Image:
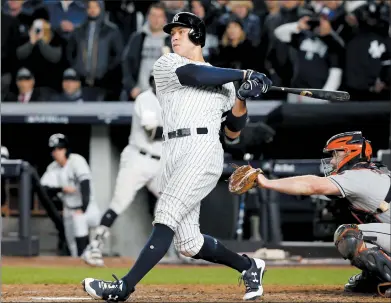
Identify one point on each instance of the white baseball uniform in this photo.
(366, 189)
(191, 165)
(72, 174)
(140, 159)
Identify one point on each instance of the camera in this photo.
(38, 26)
(314, 22)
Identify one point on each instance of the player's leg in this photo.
(93, 255)
(130, 179)
(69, 232)
(190, 242)
(81, 231)
(367, 246)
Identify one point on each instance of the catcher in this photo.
(349, 175)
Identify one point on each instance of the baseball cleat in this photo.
(92, 256)
(252, 279)
(115, 291)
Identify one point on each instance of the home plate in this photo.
(61, 298)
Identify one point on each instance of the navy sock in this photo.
(155, 249)
(214, 251)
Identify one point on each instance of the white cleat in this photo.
(93, 256)
(252, 279)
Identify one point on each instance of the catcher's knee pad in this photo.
(349, 241)
(190, 246)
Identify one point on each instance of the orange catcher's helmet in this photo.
(356, 147)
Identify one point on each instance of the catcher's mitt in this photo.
(243, 178)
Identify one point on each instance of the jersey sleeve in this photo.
(146, 110)
(81, 169)
(350, 183)
(164, 69)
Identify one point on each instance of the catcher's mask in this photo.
(347, 149)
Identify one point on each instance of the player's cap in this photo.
(70, 74)
(197, 34)
(58, 141)
(24, 74)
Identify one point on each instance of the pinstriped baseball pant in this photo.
(191, 168)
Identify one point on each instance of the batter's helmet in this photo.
(197, 33)
(356, 147)
(59, 141)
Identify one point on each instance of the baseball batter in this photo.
(69, 177)
(352, 176)
(193, 96)
(139, 163)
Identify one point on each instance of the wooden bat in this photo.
(314, 93)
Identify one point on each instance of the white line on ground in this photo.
(61, 298)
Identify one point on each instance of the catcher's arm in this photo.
(300, 185)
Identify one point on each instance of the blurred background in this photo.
(61, 74)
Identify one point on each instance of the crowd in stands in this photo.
(95, 50)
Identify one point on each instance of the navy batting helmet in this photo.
(58, 141)
(197, 33)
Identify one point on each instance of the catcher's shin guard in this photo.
(349, 241)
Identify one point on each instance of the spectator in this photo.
(222, 7)
(94, 51)
(251, 22)
(42, 54)
(73, 92)
(141, 52)
(20, 10)
(175, 6)
(9, 43)
(26, 89)
(316, 65)
(207, 13)
(368, 62)
(125, 15)
(235, 50)
(275, 56)
(66, 15)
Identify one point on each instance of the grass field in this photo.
(177, 275)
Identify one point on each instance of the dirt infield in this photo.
(165, 293)
(184, 293)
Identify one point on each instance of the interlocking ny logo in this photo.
(255, 276)
(113, 298)
(176, 17)
(376, 49)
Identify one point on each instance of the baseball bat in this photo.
(314, 93)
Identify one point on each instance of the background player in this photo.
(367, 187)
(193, 95)
(69, 178)
(140, 161)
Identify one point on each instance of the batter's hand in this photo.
(249, 89)
(261, 78)
(69, 189)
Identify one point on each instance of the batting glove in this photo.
(261, 78)
(249, 89)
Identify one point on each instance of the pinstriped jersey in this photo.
(189, 106)
(365, 189)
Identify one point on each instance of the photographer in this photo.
(318, 62)
(367, 67)
(43, 52)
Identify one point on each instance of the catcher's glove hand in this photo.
(243, 178)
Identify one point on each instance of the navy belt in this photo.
(149, 155)
(184, 132)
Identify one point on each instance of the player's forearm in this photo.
(239, 112)
(201, 75)
(85, 193)
(301, 185)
